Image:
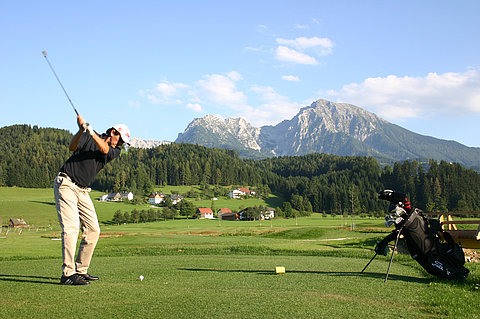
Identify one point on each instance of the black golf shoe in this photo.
(75, 280)
(89, 277)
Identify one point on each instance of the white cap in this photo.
(124, 132)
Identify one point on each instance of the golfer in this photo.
(91, 152)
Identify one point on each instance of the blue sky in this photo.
(157, 65)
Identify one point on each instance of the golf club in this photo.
(54, 73)
(64, 91)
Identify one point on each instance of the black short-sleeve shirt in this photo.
(87, 160)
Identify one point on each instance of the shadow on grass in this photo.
(391, 277)
(29, 279)
(45, 203)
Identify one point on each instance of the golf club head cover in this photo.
(395, 197)
(382, 248)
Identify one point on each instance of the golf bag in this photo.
(423, 238)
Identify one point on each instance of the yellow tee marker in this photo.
(280, 270)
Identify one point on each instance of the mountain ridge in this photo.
(327, 127)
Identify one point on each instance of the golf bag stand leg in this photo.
(393, 253)
(369, 263)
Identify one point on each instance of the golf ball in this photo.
(141, 277)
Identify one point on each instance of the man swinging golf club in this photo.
(91, 152)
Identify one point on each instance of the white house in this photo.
(204, 213)
(239, 192)
(156, 198)
(265, 213)
(127, 195)
(236, 193)
(176, 199)
(116, 196)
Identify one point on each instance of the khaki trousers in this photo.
(75, 209)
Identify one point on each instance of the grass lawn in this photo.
(212, 268)
(244, 286)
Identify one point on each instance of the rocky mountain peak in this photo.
(141, 143)
(326, 127)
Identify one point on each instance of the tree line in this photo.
(31, 157)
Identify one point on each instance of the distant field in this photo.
(273, 200)
(37, 205)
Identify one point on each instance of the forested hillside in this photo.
(32, 156)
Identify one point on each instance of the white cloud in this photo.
(303, 43)
(221, 89)
(195, 107)
(163, 92)
(394, 97)
(234, 76)
(300, 26)
(292, 78)
(275, 108)
(289, 55)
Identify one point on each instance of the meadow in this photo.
(212, 268)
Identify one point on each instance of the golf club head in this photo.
(396, 217)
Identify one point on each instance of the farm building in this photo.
(17, 222)
(226, 213)
(230, 216)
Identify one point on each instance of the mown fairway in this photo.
(210, 269)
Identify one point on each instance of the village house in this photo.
(156, 198)
(239, 192)
(204, 213)
(176, 199)
(265, 213)
(222, 211)
(116, 196)
(127, 195)
(235, 194)
(17, 222)
(227, 214)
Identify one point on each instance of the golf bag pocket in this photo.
(453, 251)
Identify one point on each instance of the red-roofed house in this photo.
(223, 211)
(244, 190)
(239, 192)
(227, 214)
(204, 213)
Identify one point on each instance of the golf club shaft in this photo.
(54, 73)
